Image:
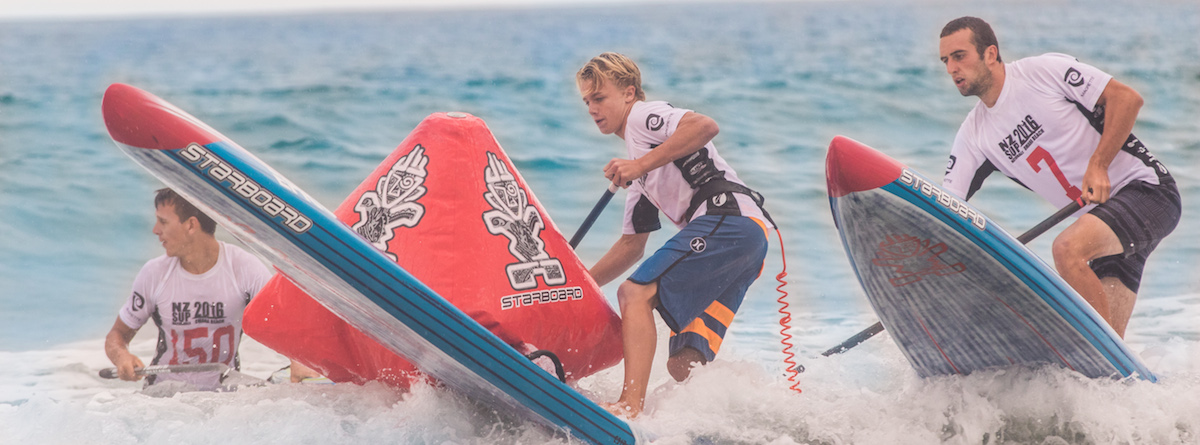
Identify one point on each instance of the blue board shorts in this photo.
(1140, 214)
(702, 274)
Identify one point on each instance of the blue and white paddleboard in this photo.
(956, 292)
(344, 272)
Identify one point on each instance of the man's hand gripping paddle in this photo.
(1025, 238)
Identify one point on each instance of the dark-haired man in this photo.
(1063, 129)
(194, 293)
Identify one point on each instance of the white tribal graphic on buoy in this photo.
(513, 217)
(393, 203)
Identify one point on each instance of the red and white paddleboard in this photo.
(367, 288)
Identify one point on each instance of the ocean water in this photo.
(324, 98)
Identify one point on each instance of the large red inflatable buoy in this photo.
(450, 208)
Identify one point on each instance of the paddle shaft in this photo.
(1025, 238)
(111, 373)
(595, 213)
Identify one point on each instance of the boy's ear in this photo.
(192, 224)
(630, 93)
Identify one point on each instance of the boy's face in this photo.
(172, 233)
(609, 105)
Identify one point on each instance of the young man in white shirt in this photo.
(195, 294)
(698, 279)
(1062, 129)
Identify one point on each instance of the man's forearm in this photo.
(115, 347)
(1121, 106)
(116, 343)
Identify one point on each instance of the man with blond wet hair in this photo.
(698, 279)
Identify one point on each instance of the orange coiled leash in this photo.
(789, 357)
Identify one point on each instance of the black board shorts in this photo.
(1141, 214)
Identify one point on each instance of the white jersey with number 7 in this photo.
(1041, 133)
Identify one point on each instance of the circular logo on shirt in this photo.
(138, 301)
(1073, 77)
(719, 200)
(698, 244)
(654, 122)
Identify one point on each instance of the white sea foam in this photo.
(868, 395)
(323, 98)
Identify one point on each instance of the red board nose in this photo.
(140, 119)
(851, 167)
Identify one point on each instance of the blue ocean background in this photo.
(323, 98)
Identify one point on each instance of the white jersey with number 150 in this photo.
(199, 317)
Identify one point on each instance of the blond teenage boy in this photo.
(698, 279)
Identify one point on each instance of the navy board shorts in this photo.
(1141, 214)
(702, 274)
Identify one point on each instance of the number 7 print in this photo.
(1040, 154)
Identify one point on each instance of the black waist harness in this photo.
(712, 191)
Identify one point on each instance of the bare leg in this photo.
(1120, 303)
(638, 337)
(1085, 240)
(680, 365)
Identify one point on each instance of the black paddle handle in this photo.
(855, 340)
(595, 213)
(111, 373)
(1053, 220)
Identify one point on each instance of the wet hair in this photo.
(610, 67)
(184, 209)
(981, 33)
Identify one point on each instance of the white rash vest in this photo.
(199, 317)
(1042, 132)
(669, 188)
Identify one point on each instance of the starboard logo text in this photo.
(943, 198)
(541, 297)
(219, 170)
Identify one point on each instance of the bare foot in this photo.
(299, 372)
(622, 409)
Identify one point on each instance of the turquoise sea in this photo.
(324, 98)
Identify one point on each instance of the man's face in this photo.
(609, 106)
(966, 67)
(174, 235)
